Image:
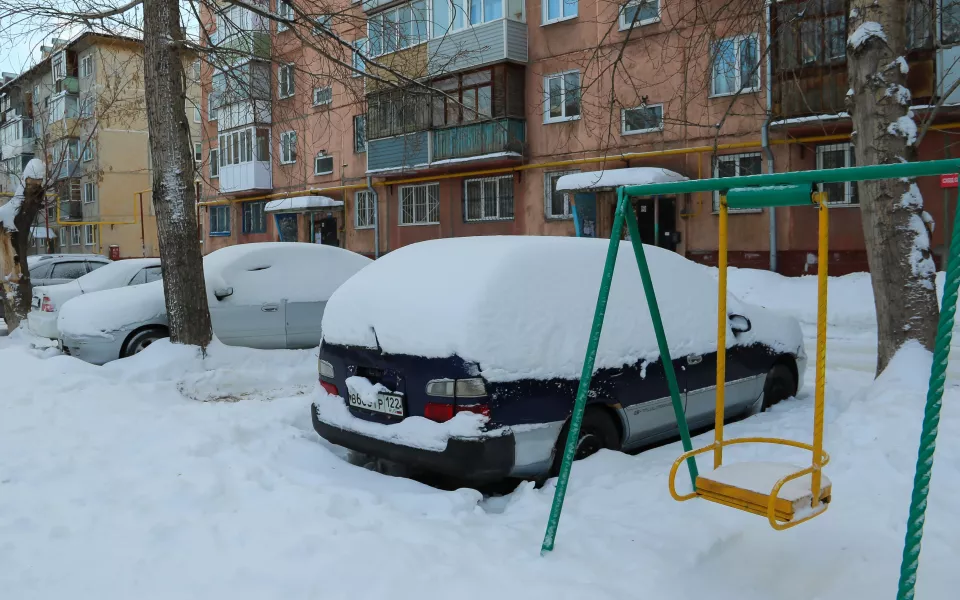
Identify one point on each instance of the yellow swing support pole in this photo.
(721, 335)
(822, 263)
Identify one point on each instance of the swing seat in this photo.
(749, 486)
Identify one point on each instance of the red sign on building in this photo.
(948, 181)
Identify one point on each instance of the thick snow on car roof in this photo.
(114, 274)
(521, 307)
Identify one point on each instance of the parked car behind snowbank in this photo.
(498, 327)
(47, 299)
(268, 295)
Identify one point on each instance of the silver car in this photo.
(54, 269)
(267, 295)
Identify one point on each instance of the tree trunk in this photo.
(174, 195)
(898, 245)
(16, 286)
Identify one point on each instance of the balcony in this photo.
(496, 41)
(71, 210)
(247, 112)
(398, 152)
(70, 85)
(478, 139)
(16, 138)
(246, 177)
(66, 169)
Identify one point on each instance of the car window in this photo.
(40, 271)
(140, 277)
(94, 265)
(154, 273)
(68, 270)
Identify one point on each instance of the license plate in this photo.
(391, 404)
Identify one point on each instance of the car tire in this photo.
(778, 386)
(597, 432)
(141, 339)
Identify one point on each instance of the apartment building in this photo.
(456, 118)
(82, 109)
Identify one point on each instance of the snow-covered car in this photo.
(54, 269)
(47, 299)
(497, 328)
(265, 295)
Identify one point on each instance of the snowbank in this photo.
(522, 307)
(612, 178)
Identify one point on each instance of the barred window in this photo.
(835, 156)
(488, 199)
(420, 204)
(363, 216)
(556, 204)
(736, 165)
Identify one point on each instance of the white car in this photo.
(47, 299)
(263, 295)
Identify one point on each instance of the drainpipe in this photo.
(376, 219)
(765, 140)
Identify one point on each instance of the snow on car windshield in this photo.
(522, 307)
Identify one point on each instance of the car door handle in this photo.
(270, 308)
(694, 360)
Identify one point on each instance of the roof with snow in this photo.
(523, 308)
(608, 179)
(301, 203)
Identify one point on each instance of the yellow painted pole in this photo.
(822, 259)
(721, 336)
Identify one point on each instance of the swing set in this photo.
(787, 495)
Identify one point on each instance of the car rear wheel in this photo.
(779, 385)
(141, 340)
(597, 432)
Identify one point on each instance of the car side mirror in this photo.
(222, 293)
(740, 324)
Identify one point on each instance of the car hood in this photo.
(104, 312)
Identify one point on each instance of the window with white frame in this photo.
(322, 164)
(86, 65)
(736, 165)
(363, 216)
(219, 220)
(736, 65)
(196, 70)
(836, 156)
(198, 151)
(62, 234)
(420, 204)
(86, 107)
(449, 16)
(285, 77)
(561, 97)
(58, 64)
(89, 192)
(284, 11)
(558, 10)
(254, 218)
(75, 235)
(87, 155)
(321, 24)
(89, 235)
(396, 28)
(556, 204)
(488, 198)
(323, 95)
(359, 66)
(214, 163)
(288, 147)
(639, 12)
(243, 146)
(642, 119)
(213, 113)
(359, 134)
(197, 116)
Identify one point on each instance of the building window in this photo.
(322, 95)
(238, 146)
(322, 164)
(287, 82)
(86, 107)
(559, 10)
(950, 21)
(89, 193)
(219, 217)
(360, 134)
(86, 66)
(87, 155)
(562, 97)
(288, 147)
(62, 234)
(321, 24)
(363, 217)
(359, 47)
(556, 204)
(196, 70)
(639, 12)
(254, 220)
(642, 119)
(284, 11)
(736, 165)
(399, 27)
(212, 110)
(488, 199)
(75, 235)
(420, 204)
(198, 151)
(89, 235)
(214, 163)
(736, 66)
(836, 156)
(197, 116)
(449, 16)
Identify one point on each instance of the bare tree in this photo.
(16, 219)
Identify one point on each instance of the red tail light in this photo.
(330, 388)
(479, 409)
(438, 412)
(46, 305)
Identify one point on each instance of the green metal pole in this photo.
(654, 307)
(586, 376)
(931, 419)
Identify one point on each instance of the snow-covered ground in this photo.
(170, 476)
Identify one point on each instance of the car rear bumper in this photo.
(467, 460)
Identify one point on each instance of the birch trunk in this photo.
(174, 195)
(897, 242)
